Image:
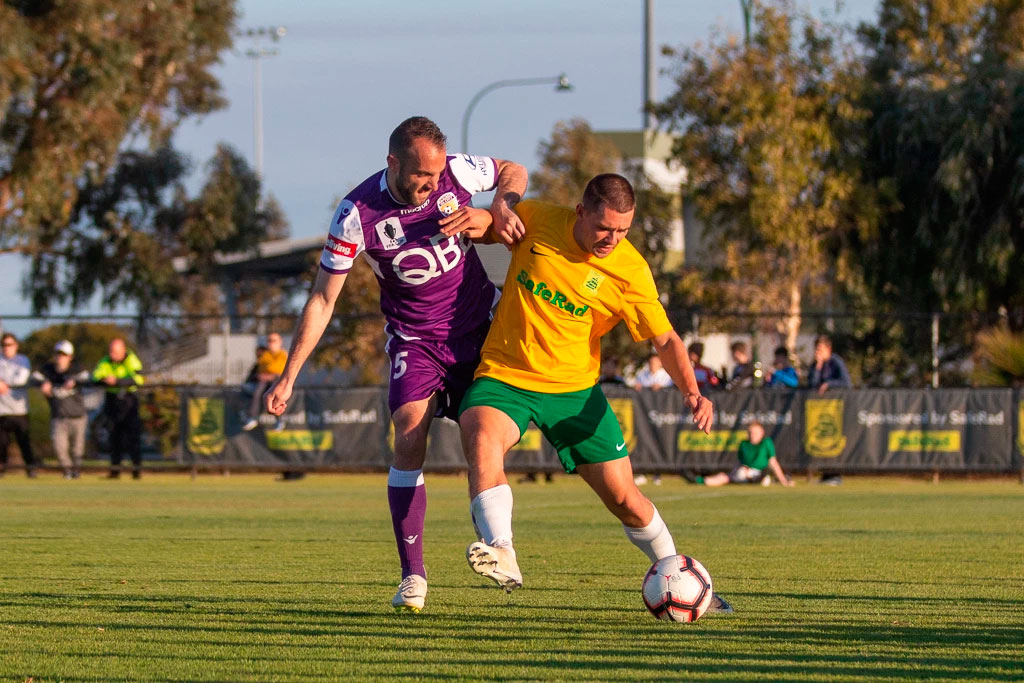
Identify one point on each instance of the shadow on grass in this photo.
(574, 640)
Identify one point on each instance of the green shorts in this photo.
(579, 424)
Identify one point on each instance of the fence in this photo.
(881, 349)
(875, 430)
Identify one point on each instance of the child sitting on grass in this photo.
(756, 454)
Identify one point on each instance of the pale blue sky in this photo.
(349, 71)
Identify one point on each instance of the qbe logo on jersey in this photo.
(390, 233)
(423, 265)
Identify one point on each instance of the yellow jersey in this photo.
(559, 300)
(272, 362)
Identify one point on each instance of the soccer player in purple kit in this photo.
(413, 223)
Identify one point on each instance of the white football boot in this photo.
(411, 595)
(497, 563)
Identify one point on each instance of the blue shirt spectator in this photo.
(784, 374)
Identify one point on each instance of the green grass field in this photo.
(244, 578)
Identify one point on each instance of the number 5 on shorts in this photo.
(399, 364)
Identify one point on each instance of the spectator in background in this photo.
(783, 374)
(828, 371)
(706, 377)
(610, 372)
(269, 367)
(60, 381)
(756, 454)
(121, 372)
(15, 373)
(253, 378)
(653, 375)
(743, 371)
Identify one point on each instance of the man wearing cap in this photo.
(60, 381)
(121, 371)
(15, 373)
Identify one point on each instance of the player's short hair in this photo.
(824, 340)
(696, 348)
(609, 189)
(7, 335)
(755, 423)
(781, 351)
(412, 128)
(738, 346)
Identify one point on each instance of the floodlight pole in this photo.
(649, 82)
(561, 83)
(257, 54)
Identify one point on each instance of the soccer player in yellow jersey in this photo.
(573, 277)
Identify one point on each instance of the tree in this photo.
(82, 81)
(946, 97)
(770, 139)
(126, 231)
(90, 341)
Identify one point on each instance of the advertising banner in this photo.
(867, 430)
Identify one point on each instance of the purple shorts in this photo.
(420, 367)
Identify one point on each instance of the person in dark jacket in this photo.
(61, 382)
(121, 371)
(828, 371)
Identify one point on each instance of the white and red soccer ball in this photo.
(677, 588)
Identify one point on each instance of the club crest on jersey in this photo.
(591, 283)
(390, 233)
(448, 204)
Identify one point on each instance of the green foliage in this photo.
(768, 137)
(946, 135)
(568, 161)
(90, 341)
(1000, 359)
(127, 229)
(243, 578)
(80, 82)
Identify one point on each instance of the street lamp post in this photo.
(257, 54)
(561, 83)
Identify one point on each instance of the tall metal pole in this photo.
(257, 113)
(256, 54)
(648, 120)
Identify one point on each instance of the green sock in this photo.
(699, 479)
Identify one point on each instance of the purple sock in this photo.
(407, 497)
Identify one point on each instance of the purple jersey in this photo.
(431, 286)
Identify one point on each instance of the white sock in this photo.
(491, 511)
(654, 539)
(405, 478)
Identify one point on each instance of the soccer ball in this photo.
(677, 588)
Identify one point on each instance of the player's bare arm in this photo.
(676, 361)
(505, 226)
(475, 223)
(512, 181)
(316, 314)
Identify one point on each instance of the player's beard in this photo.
(413, 193)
